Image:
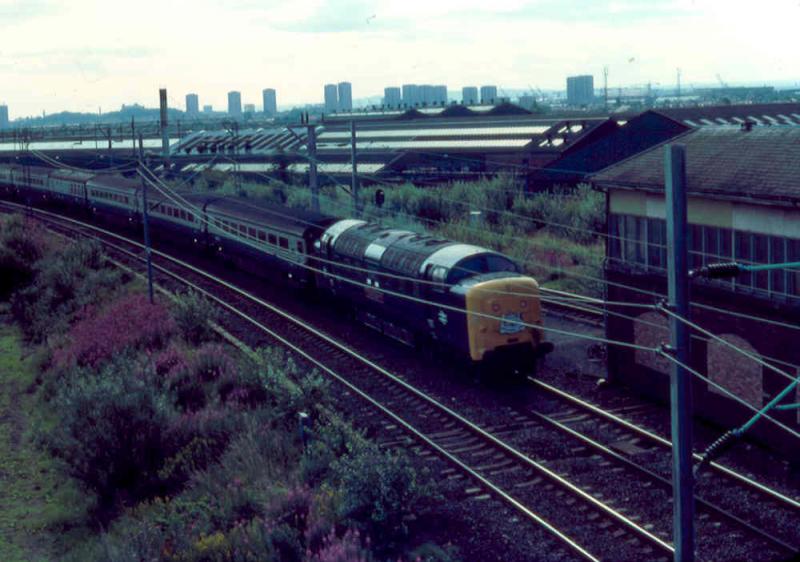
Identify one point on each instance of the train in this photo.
(468, 303)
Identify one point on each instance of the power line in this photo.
(726, 343)
(190, 208)
(728, 393)
(656, 296)
(558, 269)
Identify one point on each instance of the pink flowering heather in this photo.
(170, 361)
(347, 548)
(130, 321)
(212, 362)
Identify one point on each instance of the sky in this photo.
(85, 55)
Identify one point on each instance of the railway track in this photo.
(583, 526)
(586, 522)
(721, 492)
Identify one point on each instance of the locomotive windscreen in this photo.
(481, 263)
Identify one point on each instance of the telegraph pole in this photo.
(313, 182)
(680, 383)
(354, 180)
(145, 223)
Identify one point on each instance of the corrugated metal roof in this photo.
(725, 162)
(440, 132)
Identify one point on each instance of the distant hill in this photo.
(137, 112)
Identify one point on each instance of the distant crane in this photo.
(721, 81)
(678, 88)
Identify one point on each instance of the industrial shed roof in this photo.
(498, 134)
(761, 165)
(247, 141)
(713, 115)
(452, 110)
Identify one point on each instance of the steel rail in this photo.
(571, 543)
(450, 413)
(721, 468)
(664, 482)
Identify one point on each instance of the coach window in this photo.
(262, 236)
(284, 243)
(251, 232)
(300, 246)
(242, 229)
(273, 239)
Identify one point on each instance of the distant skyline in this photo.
(91, 53)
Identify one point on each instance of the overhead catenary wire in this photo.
(728, 393)
(622, 285)
(561, 300)
(666, 310)
(194, 211)
(58, 164)
(188, 207)
(656, 296)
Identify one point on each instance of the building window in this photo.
(777, 254)
(793, 274)
(695, 246)
(614, 237)
(633, 239)
(656, 243)
(761, 256)
(743, 254)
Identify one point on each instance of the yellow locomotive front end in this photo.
(503, 319)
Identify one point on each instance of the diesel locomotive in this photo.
(468, 302)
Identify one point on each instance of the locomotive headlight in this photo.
(495, 307)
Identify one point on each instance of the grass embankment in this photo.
(135, 434)
(552, 234)
(37, 506)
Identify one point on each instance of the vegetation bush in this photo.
(510, 220)
(345, 548)
(112, 433)
(131, 321)
(22, 244)
(379, 490)
(64, 284)
(190, 453)
(194, 315)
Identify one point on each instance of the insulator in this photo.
(722, 270)
(716, 449)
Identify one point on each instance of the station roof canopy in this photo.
(761, 165)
